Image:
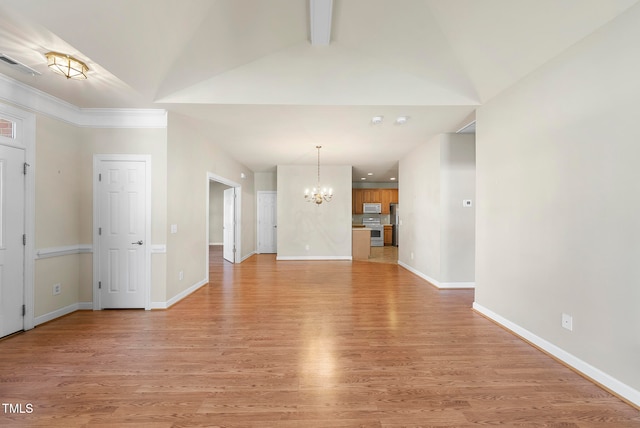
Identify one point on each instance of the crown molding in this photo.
(26, 97)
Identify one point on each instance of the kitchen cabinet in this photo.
(381, 196)
(388, 235)
(358, 200)
(371, 195)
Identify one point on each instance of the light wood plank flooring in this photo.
(296, 344)
(386, 254)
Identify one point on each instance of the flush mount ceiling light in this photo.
(318, 194)
(401, 120)
(67, 66)
(377, 120)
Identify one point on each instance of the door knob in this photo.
(137, 243)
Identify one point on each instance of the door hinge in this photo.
(24, 168)
(24, 310)
(99, 284)
(99, 231)
(99, 177)
(24, 239)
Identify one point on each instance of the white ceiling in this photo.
(248, 76)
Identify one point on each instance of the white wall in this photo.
(190, 156)
(64, 205)
(266, 181)
(308, 231)
(437, 235)
(419, 191)
(458, 233)
(558, 203)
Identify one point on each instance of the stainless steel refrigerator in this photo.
(394, 219)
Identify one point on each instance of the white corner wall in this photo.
(307, 231)
(437, 234)
(558, 203)
(419, 196)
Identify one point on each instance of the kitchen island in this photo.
(360, 243)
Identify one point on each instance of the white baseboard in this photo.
(436, 283)
(444, 285)
(247, 256)
(62, 312)
(216, 243)
(304, 258)
(175, 299)
(614, 385)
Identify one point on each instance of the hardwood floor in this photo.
(386, 254)
(296, 344)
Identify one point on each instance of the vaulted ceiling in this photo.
(246, 72)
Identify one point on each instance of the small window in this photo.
(7, 129)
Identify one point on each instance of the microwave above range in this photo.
(371, 208)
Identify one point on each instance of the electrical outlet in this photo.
(56, 289)
(466, 203)
(567, 322)
(181, 275)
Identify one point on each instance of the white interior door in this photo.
(267, 222)
(122, 236)
(12, 194)
(228, 239)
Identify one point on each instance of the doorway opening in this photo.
(223, 219)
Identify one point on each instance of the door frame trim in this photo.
(238, 220)
(97, 159)
(26, 133)
(258, 193)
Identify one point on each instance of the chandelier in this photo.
(318, 194)
(66, 65)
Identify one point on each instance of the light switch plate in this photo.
(567, 322)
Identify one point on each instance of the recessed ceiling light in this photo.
(370, 173)
(377, 120)
(392, 178)
(401, 120)
(363, 178)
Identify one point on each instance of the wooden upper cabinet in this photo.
(381, 196)
(394, 196)
(371, 195)
(385, 196)
(358, 200)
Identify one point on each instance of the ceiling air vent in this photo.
(18, 66)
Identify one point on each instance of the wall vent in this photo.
(18, 66)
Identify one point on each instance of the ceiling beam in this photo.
(320, 20)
